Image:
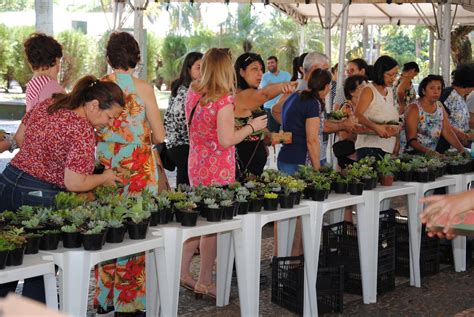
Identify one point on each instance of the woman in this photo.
(344, 149)
(301, 116)
(212, 139)
(375, 108)
(175, 121)
(405, 93)
(44, 55)
(249, 69)
(355, 67)
(126, 147)
(57, 145)
(426, 120)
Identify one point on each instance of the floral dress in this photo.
(209, 162)
(458, 111)
(126, 148)
(430, 126)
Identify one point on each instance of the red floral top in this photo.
(54, 142)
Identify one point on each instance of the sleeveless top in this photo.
(430, 126)
(381, 109)
(126, 146)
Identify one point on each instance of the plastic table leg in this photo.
(286, 233)
(75, 285)
(310, 268)
(225, 263)
(51, 291)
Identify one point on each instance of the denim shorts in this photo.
(20, 188)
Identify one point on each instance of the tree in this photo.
(461, 49)
(19, 69)
(75, 56)
(172, 53)
(5, 53)
(153, 56)
(17, 5)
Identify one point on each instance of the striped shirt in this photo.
(39, 89)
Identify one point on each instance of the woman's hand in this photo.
(110, 178)
(259, 123)
(382, 131)
(289, 87)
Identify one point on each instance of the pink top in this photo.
(208, 162)
(54, 142)
(39, 89)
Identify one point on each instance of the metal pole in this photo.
(371, 46)
(365, 40)
(438, 42)
(430, 51)
(139, 35)
(44, 16)
(327, 30)
(342, 48)
(302, 40)
(447, 42)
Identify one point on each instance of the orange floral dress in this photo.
(126, 148)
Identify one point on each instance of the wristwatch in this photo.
(11, 139)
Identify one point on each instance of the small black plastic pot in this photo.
(368, 184)
(50, 241)
(204, 211)
(214, 215)
(297, 197)
(309, 192)
(71, 240)
(319, 195)
(160, 217)
(355, 188)
(421, 177)
(455, 169)
(406, 176)
(179, 215)
(3, 259)
(137, 231)
(255, 205)
(93, 242)
(286, 201)
(340, 188)
(115, 235)
(270, 204)
(228, 212)
(15, 256)
(243, 208)
(32, 245)
(188, 219)
(431, 175)
(326, 194)
(236, 208)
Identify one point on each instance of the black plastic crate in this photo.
(385, 282)
(446, 252)
(288, 285)
(429, 251)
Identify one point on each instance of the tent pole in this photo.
(371, 46)
(439, 42)
(327, 30)
(302, 29)
(447, 42)
(139, 34)
(365, 40)
(430, 51)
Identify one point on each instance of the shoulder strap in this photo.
(192, 113)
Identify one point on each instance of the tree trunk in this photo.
(44, 16)
(461, 49)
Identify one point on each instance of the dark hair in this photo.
(351, 84)
(463, 76)
(383, 64)
(318, 80)
(295, 72)
(185, 74)
(87, 89)
(428, 79)
(361, 64)
(409, 66)
(122, 51)
(242, 62)
(334, 68)
(42, 50)
(370, 72)
(272, 57)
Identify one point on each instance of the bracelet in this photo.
(13, 145)
(251, 126)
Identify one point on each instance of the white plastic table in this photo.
(369, 221)
(169, 258)
(247, 245)
(33, 265)
(414, 222)
(76, 265)
(459, 243)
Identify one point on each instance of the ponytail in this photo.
(86, 89)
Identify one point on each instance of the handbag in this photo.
(343, 148)
(280, 137)
(168, 164)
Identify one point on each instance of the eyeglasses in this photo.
(252, 58)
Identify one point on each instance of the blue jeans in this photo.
(16, 186)
(287, 168)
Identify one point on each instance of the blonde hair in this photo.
(217, 75)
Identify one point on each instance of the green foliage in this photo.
(386, 166)
(75, 62)
(136, 212)
(67, 200)
(18, 67)
(16, 5)
(69, 228)
(185, 205)
(270, 196)
(172, 54)
(152, 56)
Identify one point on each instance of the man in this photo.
(273, 76)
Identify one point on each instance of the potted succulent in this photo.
(255, 202)
(163, 214)
(116, 227)
(50, 239)
(32, 224)
(285, 198)
(227, 209)
(340, 186)
(32, 242)
(243, 205)
(6, 218)
(214, 212)
(386, 169)
(71, 236)
(270, 201)
(17, 240)
(420, 168)
(5, 247)
(188, 212)
(137, 227)
(297, 186)
(174, 197)
(94, 236)
(406, 171)
(322, 187)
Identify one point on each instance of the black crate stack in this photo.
(429, 251)
(288, 285)
(340, 244)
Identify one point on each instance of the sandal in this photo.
(187, 285)
(201, 289)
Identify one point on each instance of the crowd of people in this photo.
(219, 111)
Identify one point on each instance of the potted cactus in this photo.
(71, 236)
(94, 236)
(270, 201)
(188, 213)
(137, 227)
